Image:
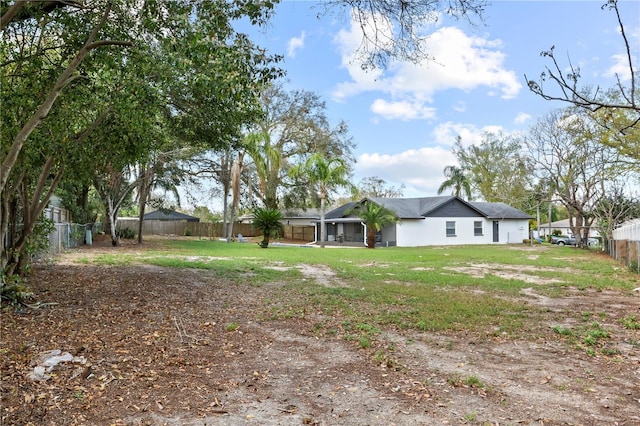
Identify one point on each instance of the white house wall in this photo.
(514, 231)
(432, 231)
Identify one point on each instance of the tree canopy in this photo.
(126, 77)
(497, 169)
(457, 181)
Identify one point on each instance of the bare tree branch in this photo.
(583, 97)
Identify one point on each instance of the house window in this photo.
(451, 229)
(477, 228)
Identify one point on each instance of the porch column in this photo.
(364, 239)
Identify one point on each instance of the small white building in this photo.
(545, 229)
(431, 221)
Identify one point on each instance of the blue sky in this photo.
(405, 119)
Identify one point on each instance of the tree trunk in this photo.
(113, 216)
(371, 237)
(8, 221)
(144, 189)
(236, 172)
(323, 226)
(33, 209)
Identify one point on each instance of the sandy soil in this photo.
(154, 346)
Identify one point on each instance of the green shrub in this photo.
(126, 233)
(527, 241)
(13, 291)
(38, 242)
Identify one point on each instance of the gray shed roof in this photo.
(170, 215)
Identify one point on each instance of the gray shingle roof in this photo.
(302, 213)
(341, 211)
(169, 215)
(500, 211)
(411, 208)
(419, 208)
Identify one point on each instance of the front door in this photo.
(496, 231)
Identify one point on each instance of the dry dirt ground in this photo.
(154, 346)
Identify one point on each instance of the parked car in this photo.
(562, 240)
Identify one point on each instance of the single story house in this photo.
(300, 217)
(430, 221)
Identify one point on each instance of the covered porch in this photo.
(342, 232)
(348, 232)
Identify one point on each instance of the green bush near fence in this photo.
(126, 233)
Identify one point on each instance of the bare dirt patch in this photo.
(515, 272)
(188, 347)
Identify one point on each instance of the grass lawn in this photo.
(472, 288)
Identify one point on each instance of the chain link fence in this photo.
(68, 235)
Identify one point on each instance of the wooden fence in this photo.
(299, 232)
(625, 246)
(626, 252)
(210, 230)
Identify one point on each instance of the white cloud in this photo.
(522, 117)
(462, 62)
(295, 43)
(460, 106)
(419, 169)
(402, 110)
(619, 68)
(445, 134)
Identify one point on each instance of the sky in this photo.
(404, 119)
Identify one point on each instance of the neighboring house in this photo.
(300, 217)
(171, 215)
(431, 221)
(56, 211)
(293, 217)
(563, 226)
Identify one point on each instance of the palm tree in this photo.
(326, 175)
(375, 217)
(457, 181)
(268, 162)
(268, 221)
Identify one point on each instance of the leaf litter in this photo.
(157, 352)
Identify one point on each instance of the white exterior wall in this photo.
(514, 231)
(433, 232)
